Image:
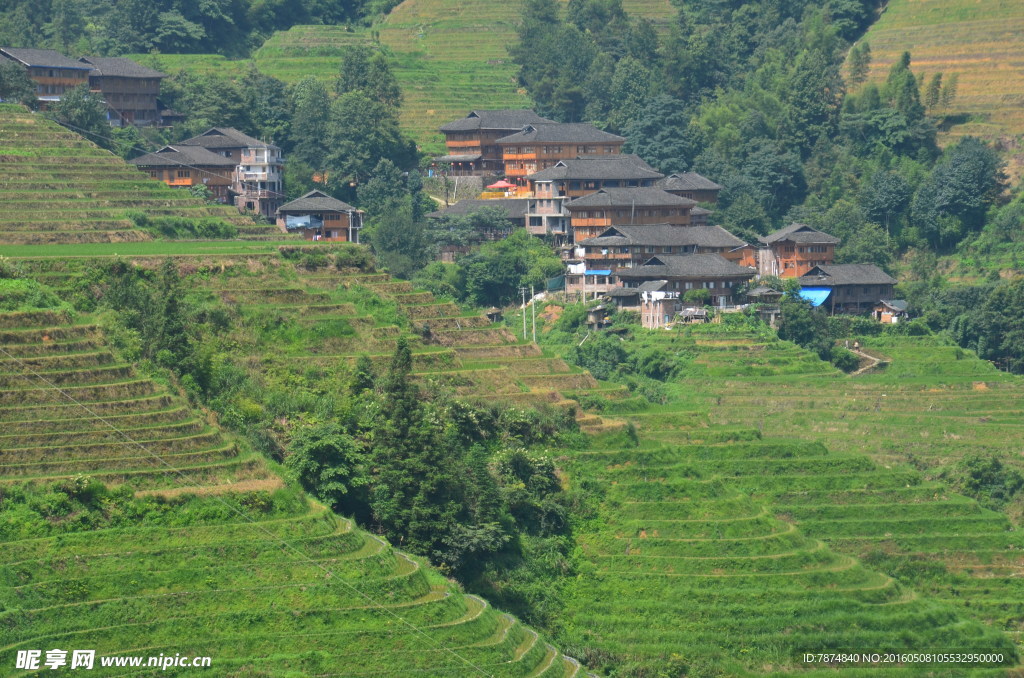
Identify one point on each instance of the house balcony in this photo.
(609, 256)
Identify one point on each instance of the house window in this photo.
(649, 249)
(154, 174)
(184, 174)
(332, 217)
(689, 285)
(527, 149)
(590, 184)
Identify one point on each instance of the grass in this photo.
(197, 562)
(59, 188)
(449, 57)
(983, 43)
(872, 511)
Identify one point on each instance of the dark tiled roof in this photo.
(899, 305)
(799, 233)
(458, 158)
(515, 208)
(559, 132)
(192, 156)
(225, 137)
(626, 197)
(686, 266)
(623, 292)
(652, 286)
(119, 67)
(508, 118)
(846, 274)
(665, 235)
(47, 58)
(623, 167)
(687, 181)
(316, 201)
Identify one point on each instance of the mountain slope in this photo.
(981, 42)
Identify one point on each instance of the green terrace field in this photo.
(59, 188)
(982, 42)
(776, 506)
(351, 312)
(201, 548)
(449, 57)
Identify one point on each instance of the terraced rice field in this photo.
(59, 188)
(450, 57)
(982, 42)
(777, 505)
(286, 589)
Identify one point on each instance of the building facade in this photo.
(847, 288)
(625, 246)
(691, 185)
(257, 182)
(129, 90)
(472, 142)
(53, 73)
(187, 166)
(539, 146)
(318, 216)
(550, 189)
(711, 272)
(794, 250)
(593, 214)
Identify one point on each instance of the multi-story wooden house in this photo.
(472, 141)
(187, 166)
(620, 247)
(538, 146)
(712, 272)
(551, 188)
(258, 179)
(794, 250)
(847, 288)
(592, 214)
(318, 216)
(691, 185)
(52, 72)
(130, 90)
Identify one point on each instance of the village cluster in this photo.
(626, 232)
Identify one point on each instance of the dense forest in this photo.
(108, 28)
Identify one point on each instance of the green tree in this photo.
(933, 94)
(15, 85)
(85, 113)
(860, 63)
(66, 26)
(366, 69)
(330, 464)
(885, 197)
(311, 113)
(949, 90)
(495, 272)
(360, 133)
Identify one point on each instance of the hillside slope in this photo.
(60, 188)
(981, 42)
(745, 542)
(450, 57)
(196, 548)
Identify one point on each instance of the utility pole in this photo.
(533, 314)
(522, 290)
